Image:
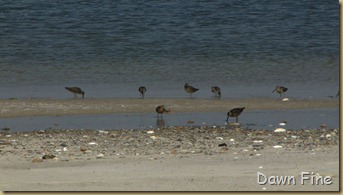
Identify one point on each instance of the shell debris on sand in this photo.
(279, 130)
(277, 146)
(285, 99)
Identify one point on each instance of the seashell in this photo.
(294, 136)
(153, 137)
(150, 132)
(232, 140)
(277, 146)
(92, 143)
(279, 130)
(219, 138)
(65, 149)
(99, 156)
(282, 124)
(258, 154)
(102, 131)
(8, 136)
(58, 150)
(285, 99)
(258, 141)
(260, 167)
(328, 136)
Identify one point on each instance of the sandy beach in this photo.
(173, 158)
(224, 158)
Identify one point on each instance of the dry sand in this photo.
(41, 107)
(171, 159)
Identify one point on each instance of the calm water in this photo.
(265, 119)
(110, 48)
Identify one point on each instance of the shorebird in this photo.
(142, 90)
(189, 89)
(234, 113)
(216, 90)
(160, 110)
(75, 91)
(280, 90)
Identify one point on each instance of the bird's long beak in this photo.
(273, 91)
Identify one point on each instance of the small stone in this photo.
(100, 156)
(82, 149)
(48, 156)
(37, 160)
(222, 145)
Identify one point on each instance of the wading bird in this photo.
(75, 91)
(189, 89)
(160, 110)
(142, 90)
(216, 90)
(280, 90)
(234, 113)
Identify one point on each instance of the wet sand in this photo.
(55, 107)
(168, 159)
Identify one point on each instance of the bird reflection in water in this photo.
(160, 123)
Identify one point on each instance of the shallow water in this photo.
(266, 119)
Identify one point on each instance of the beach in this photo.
(165, 158)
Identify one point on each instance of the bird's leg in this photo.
(236, 119)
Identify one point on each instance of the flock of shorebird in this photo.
(235, 112)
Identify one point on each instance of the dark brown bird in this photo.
(216, 90)
(75, 91)
(280, 90)
(160, 110)
(142, 90)
(189, 89)
(234, 113)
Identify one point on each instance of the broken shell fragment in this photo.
(277, 146)
(279, 130)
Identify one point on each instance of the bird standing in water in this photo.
(160, 110)
(75, 91)
(142, 90)
(190, 89)
(280, 90)
(216, 90)
(234, 113)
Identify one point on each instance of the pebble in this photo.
(219, 138)
(48, 156)
(92, 143)
(232, 140)
(37, 160)
(222, 145)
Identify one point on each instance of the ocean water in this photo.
(110, 48)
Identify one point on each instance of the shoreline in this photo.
(56, 107)
(178, 158)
